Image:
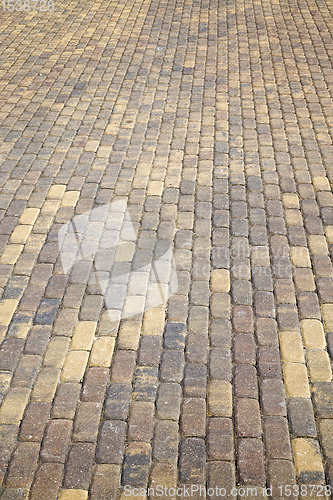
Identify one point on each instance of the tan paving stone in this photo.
(83, 336)
(291, 347)
(74, 367)
(309, 468)
(313, 334)
(296, 380)
(7, 309)
(220, 281)
(102, 351)
(319, 365)
(13, 406)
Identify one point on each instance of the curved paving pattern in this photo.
(212, 120)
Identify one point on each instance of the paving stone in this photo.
(94, 384)
(9, 353)
(193, 417)
(141, 419)
(172, 366)
(23, 464)
(165, 441)
(48, 478)
(136, 464)
(276, 436)
(247, 414)
(244, 348)
(65, 401)
(280, 473)
(309, 469)
(266, 331)
(110, 442)
(79, 466)
(220, 439)
(269, 365)
(56, 441)
(168, 401)
(245, 381)
(174, 336)
(117, 401)
(195, 380)
(105, 482)
(250, 461)
(34, 421)
(273, 397)
(221, 473)
(192, 461)
(322, 394)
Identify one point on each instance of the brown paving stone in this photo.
(250, 461)
(56, 441)
(34, 421)
(47, 479)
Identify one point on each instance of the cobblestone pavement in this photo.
(209, 123)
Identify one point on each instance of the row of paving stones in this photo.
(213, 120)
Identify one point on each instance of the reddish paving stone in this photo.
(250, 461)
(248, 421)
(220, 439)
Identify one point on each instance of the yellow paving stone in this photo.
(155, 188)
(220, 398)
(5, 378)
(327, 313)
(70, 198)
(296, 380)
(291, 347)
(102, 351)
(290, 200)
(153, 321)
(20, 234)
(220, 281)
(50, 207)
(13, 406)
(29, 216)
(125, 251)
(56, 352)
(317, 244)
(300, 256)
(134, 305)
(319, 365)
(83, 335)
(129, 335)
(57, 191)
(75, 366)
(313, 334)
(329, 234)
(320, 183)
(46, 384)
(293, 217)
(73, 495)
(10, 254)
(307, 457)
(260, 256)
(103, 152)
(3, 331)
(7, 309)
(91, 145)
